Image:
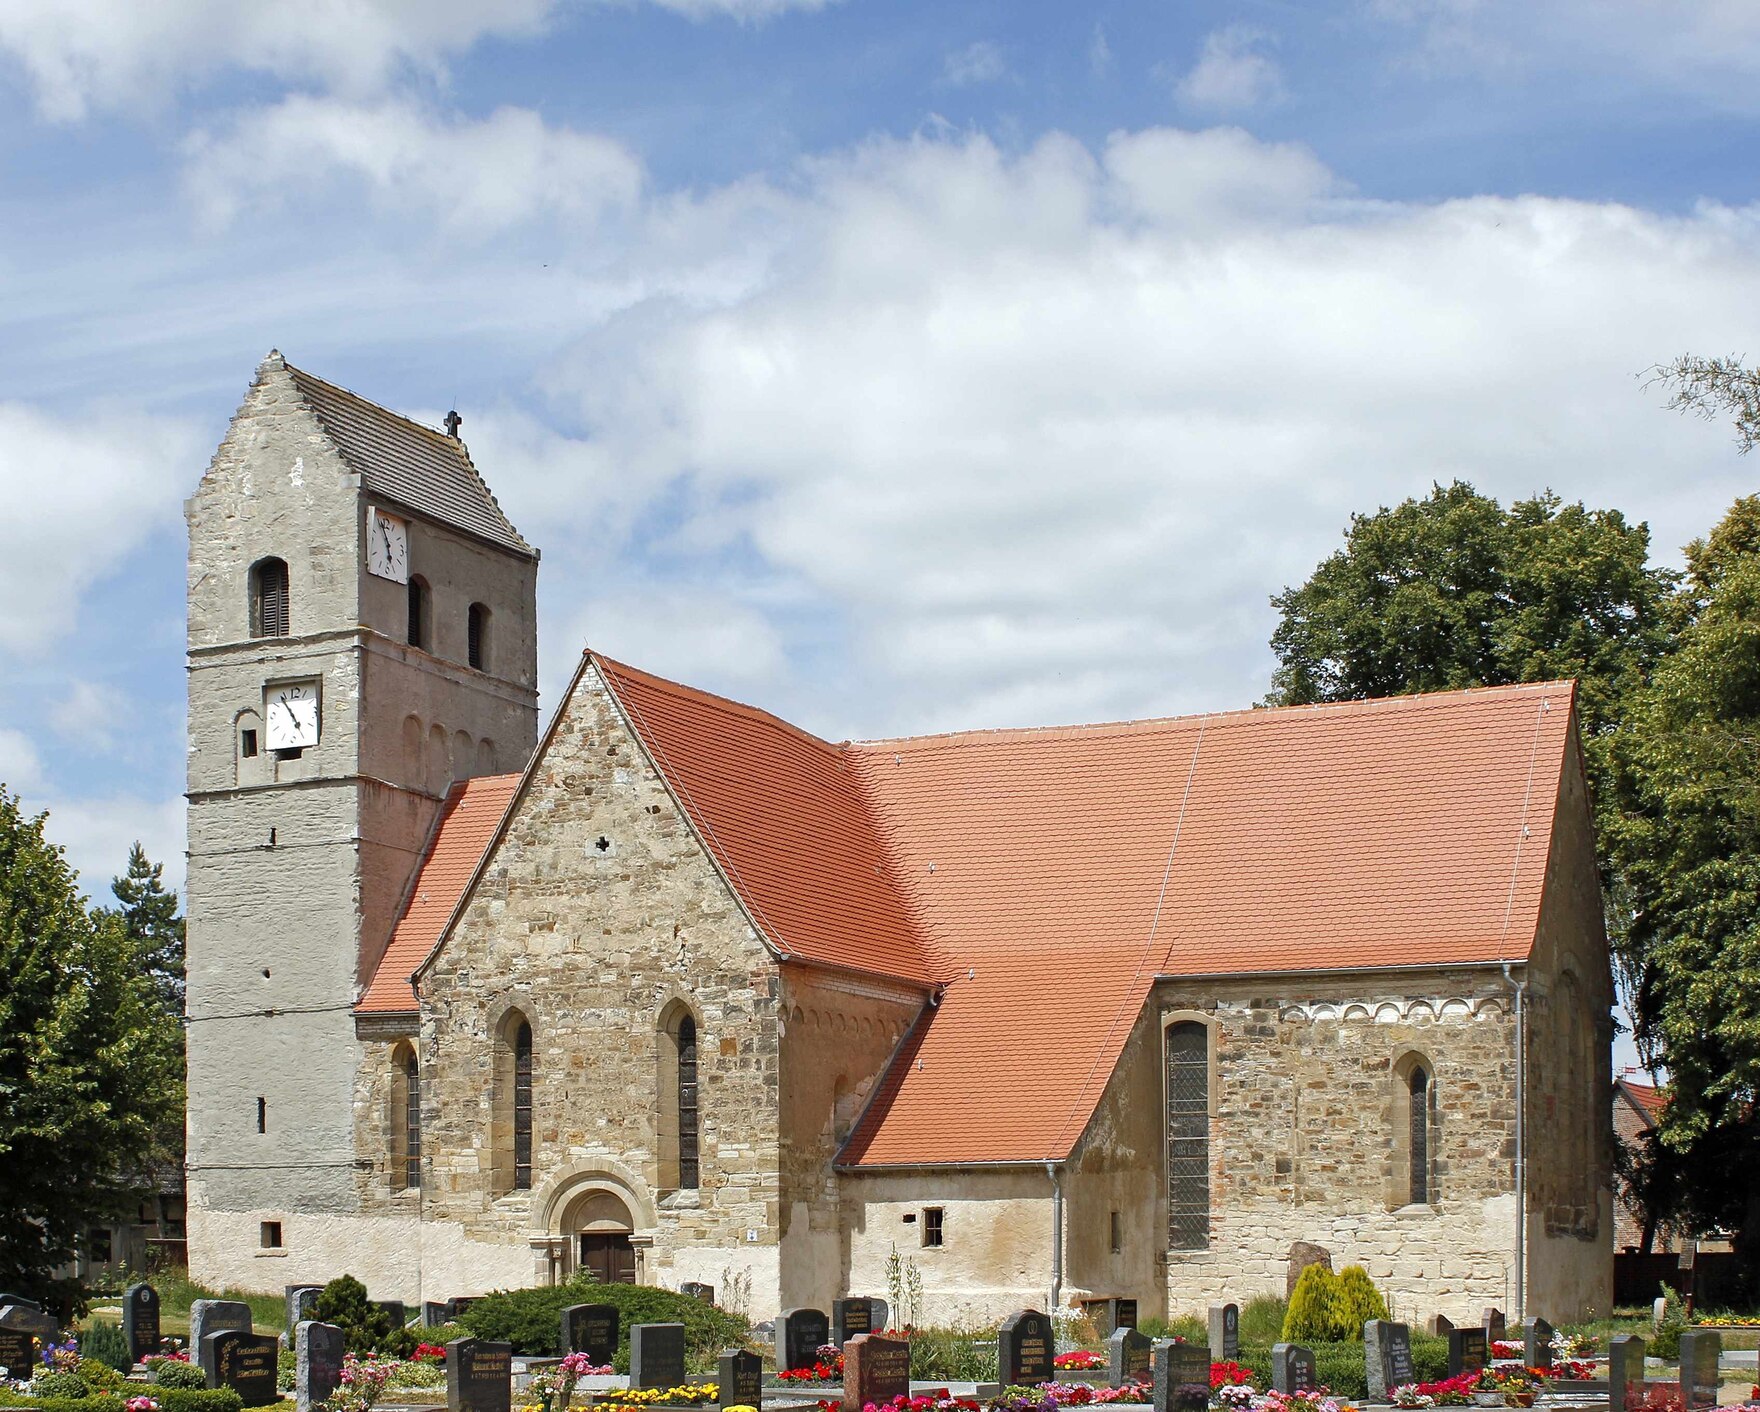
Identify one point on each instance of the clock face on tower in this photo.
(387, 546)
(290, 715)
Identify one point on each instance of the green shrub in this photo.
(63, 1385)
(169, 1373)
(953, 1355)
(1355, 1301)
(366, 1328)
(99, 1377)
(169, 1399)
(1262, 1319)
(1153, 1327)
(1309, 1319)
(531, 1319)
(1666, 1342)
(103, 1342)
(417, 1375)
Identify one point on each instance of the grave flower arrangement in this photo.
(1409, 1395)
(827, 1367)
(554, 1386)
(1508, 1348)
(1229, 1375)
(428, 1353)
(142, 1404)
(1080, 1361)
(638, 1399)
(1449, 1392)
(362, 1380)
(1238, 1396)
(1048, 1397)
(938, 1401)
(1313, 1400)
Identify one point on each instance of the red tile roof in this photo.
(1047, 877)
(468, 820)
(1646, 1097)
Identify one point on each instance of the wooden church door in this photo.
(608, 1258)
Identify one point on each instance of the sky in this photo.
(896, 366)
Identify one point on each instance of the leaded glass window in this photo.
(1420, 1135)
(1188, 1136)
(687, 1104)
(412, 1122)
(522, 1108)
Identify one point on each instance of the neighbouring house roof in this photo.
(468, 819)
(1042, 880)
(1647, 1099)
(403, 461)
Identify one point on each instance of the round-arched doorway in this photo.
(598, 1227)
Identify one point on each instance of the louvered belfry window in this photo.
(269, 599)
(477, 638)
(522, 1108)
(687, 1104)
(1188, 1136)
(1420, 1135)
(412, 1122)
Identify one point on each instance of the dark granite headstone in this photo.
(1111, 1315)
(300, 1300)
(850, 1317)
(317, 1351)
(590, 1329)
(1292, 1368)
(1625, 1370)
(1025, 1345)
(212, 1316)
(245, 1362)
(1440, 1326)
(1495, 1326)
(18, 1353)
(434, 1311)
(1387, 1357)
(1536, 1343)
(799, 1335)
(1700, 1351)
(20, 1301)
(1225, 1333)
(479, 1376)
(396, 1309)
(741, 1379)
(1128, 1357)
(28, 1317)
(694, 1290)
(1181, 1377)
(882, 1314)
(1301, 1255)
(1468, 1351)
(656, 1355)
(876, 1369)
(458, 1304)
(140, 1320)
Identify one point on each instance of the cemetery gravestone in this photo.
(850, 1317)
(433, 1311)
(245, 1362)
(1468, 1351)
(140, 1320)
(17, 1354)
(1536, 1343)
(876, 1369)
(1128, 1357)
(799, 1336)
(1496, 1329)
(656, 1355)
(479, 1376)
(1182, 1378)
(317, 1352)
(212, 1316)
(395, 1308)
(1625, 1370)
(1292, 1368)
(741, 1379)
(1387, 1357)
(1225, 1333)
(1025, 1346)
(1700, 1352)
(590, 1329)
(1301, 1255)
(882, 1313)
(1441, 1326)
(300, 1301)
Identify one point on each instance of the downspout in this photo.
(1051, 1170)
(1521, 990)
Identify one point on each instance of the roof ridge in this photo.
(450, 443)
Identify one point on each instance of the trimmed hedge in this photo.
(222, 1399)
(531, 1319)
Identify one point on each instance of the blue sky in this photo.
(897, 366)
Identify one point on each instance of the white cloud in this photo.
(1099, 52)
(980, 62)
(83, 491)
(88, 713)
(476, 177)
(97, 833)
(84, 54)
(20, 766)
(1233, 73)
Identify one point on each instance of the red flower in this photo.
(1228, 1375)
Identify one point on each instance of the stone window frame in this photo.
(504, 1023)
(1399, 1192)
(1211, 1026)
(271, 603)
(402, 1118)
(667, 1021)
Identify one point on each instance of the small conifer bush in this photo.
(1309, 1319)
(1355, 1301)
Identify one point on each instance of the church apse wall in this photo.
(598, 933)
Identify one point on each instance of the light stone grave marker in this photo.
(1387, 1357)
(1225, 1333)
(212, 1316)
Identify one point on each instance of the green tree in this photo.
(148, 913)
(1686, 843)
(90, 1064)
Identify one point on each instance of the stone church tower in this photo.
(362, 633)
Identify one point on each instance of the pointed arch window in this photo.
(269, 598)
(405, 1119)
(1188, 1135)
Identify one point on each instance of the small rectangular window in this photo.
(1117, 1234)
(262, 1115)
(932, 1233)
(248, 745)
(98, 1245)
(271, 1235)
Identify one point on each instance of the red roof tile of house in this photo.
(1047, 877)
(468, 820)
(1646, 1097)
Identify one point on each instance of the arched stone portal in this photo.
(598, 1227)
(596, 1219)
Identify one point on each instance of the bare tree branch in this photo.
(1713, 387)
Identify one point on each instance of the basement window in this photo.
(932, 1229)
(270, 1235)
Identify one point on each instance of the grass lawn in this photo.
(177, 1292)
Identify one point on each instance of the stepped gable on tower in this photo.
(1043, 879)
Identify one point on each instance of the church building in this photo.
(678, 992)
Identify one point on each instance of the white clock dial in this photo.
(387, 546)
(290, 716)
